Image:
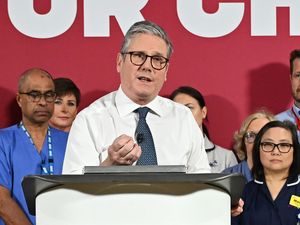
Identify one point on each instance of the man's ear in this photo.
(119, 62)
(19, 100)
(166, 72)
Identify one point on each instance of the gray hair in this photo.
(146, 27)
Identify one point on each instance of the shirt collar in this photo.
(209, 146)
(296, 110)
(291, 182)
(126, 106)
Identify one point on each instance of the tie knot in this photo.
(143, 112)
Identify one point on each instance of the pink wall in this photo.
(237, 73)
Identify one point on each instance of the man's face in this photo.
(142, 83)
(295, 81)
(38, 112)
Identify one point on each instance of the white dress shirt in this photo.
(177, 138)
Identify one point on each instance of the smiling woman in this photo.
(66, 104)
(273, 196)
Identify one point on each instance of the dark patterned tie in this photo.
(145, 139)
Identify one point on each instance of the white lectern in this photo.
(133, 198)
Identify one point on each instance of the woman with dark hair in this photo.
(272, 198)
(218, 157)
(66, 104)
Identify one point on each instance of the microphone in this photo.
(139, 138)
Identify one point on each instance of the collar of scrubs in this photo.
(45, 171)
(209, 146)
(290, 181)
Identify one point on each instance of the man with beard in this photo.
(29, 147)
(293, 114)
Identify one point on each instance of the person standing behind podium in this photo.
(30, 147)
(104, 133)
(272, 198)
(219, 158)
(66, 104)
(244, 139)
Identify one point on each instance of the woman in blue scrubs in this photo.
(273, 197)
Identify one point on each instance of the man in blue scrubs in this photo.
(29, 147)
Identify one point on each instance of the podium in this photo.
(133, 198)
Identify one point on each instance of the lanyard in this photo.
(50, 151)
(297, 119)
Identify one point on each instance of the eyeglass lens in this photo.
(36, 96)
(282, 147)
(139, 58)
(250, 136)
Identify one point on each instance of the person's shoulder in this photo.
(100, 105)
(58, 132)
(173, 107)
(226, 153)
(8, 134)
(234, 169)
(9, 130)
(223, 151)
(251, 187)
(284, 115)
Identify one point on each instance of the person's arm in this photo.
(10, 212)
(198, 161)
(81, 148)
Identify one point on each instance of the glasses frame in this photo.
(39, 96)
(275, 145)
(146, 57)
(247, 136)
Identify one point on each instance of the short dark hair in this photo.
(196, 95)
(191, 92)
(293, 55)
(65, 86)
(257, 169)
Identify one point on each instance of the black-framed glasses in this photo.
(270, 146)
(35, 96)
(139, 58)
(250, 136)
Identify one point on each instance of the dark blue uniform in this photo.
(260, 209)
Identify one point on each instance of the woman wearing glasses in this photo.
(244, 139)
(273, 196)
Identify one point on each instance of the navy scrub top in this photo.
(260, 209)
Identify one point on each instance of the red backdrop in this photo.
(237, 73)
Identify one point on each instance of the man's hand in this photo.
(238, 209)
(123, 151)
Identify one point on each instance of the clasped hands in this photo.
(123, 151)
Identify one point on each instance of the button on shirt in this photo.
(260, 209)
(178, 139)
